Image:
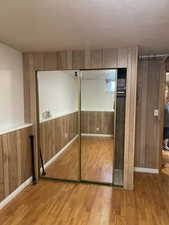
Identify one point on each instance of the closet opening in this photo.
(81, 123)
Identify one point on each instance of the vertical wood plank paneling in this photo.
(50, 61)
(148, 126)
(26, 155)
(110, 58)
(87, 59)
(78, 59)
(2, 192)
(130, 116)
(163, 71)
(19, 158)
(96, 58)
(12, 161)
(38, 59)
(152, 146)
(123, 57)
(15, 159)
(62, 60)
(29, 90)
(141, 114)
(69, 60)
(91, 120)
(28, 83)
(6, 164)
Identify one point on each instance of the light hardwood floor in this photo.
(57, 203)
(67, 165)
(96, 160)
(165, 161)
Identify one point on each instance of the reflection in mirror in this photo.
(58, 128)
(120, 127)
(98, 99)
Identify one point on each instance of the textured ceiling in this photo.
(49, 25)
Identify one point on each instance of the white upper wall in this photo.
(95, 91)
(11, 88)
(95, 97)
(58, 92)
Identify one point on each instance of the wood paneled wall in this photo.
(15, 160)
(91, 120)
(56, 133)
(89, 59)
(147, 126)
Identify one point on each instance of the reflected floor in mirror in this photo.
(165, 162)
(66, 163)
(97, 158)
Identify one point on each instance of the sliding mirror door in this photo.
(58, 95)
(98, 103)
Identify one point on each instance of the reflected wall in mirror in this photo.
(98, 101)
(58, 93)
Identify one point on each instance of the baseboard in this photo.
(15, 193)
(146, 170)
(97, 135)
(48, 163)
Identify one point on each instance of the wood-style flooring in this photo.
(58, 203)
(96, 160)
(165, 162)
(67, 165)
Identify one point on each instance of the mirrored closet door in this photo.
(98, 101)
(58, 93)
(81, 125)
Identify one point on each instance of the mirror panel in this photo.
(81, 124)
(58, 128)
(98, 100)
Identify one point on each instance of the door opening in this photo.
(165, 148)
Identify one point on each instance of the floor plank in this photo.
(96, 160)
(57, 203)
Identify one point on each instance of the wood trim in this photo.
(130, 117)
(146, 170)
(90, 59)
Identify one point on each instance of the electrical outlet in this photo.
(97, 129)
(66, 135)
(156, 112)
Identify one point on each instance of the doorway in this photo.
(81, 125)
(165, 149)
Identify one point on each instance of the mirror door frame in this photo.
(37, 156)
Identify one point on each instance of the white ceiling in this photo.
(49, 25)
